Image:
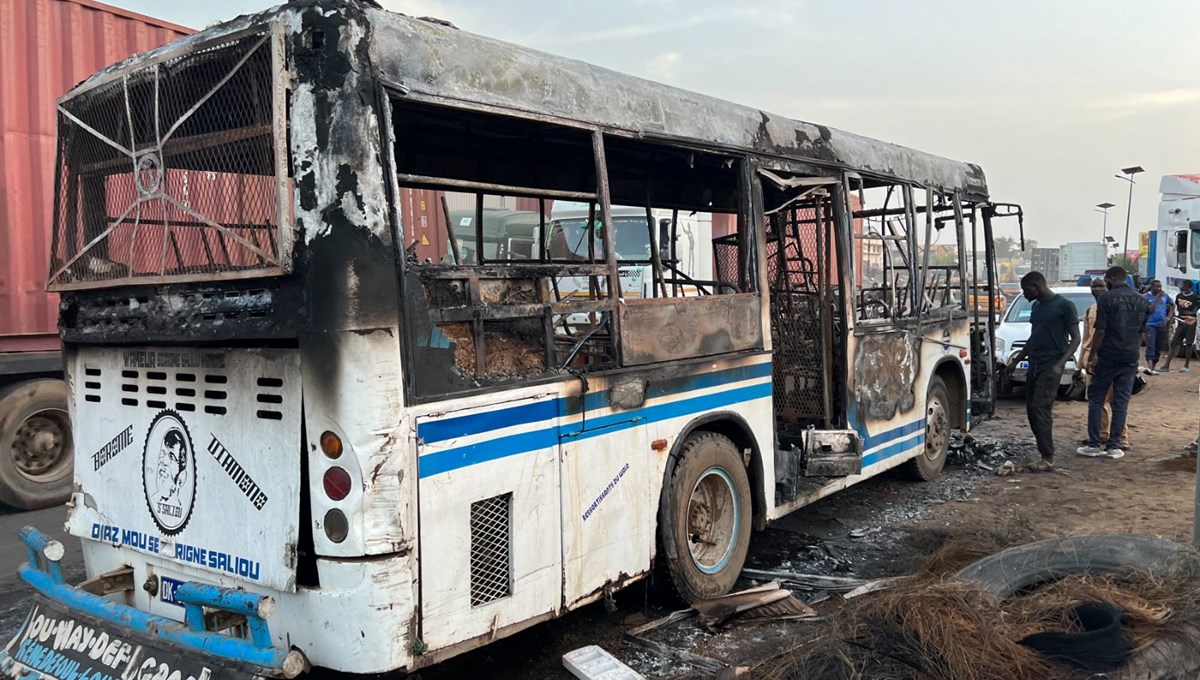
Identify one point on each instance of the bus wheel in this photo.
(709, 517)
(927, 466)
(36, 449)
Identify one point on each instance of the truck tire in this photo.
(708, 517)
(36, 448)
(1010, 571)
(928, 465)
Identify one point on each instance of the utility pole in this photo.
(1103, 207)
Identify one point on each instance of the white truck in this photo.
(1173, 252)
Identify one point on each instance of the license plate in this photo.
(1023, 365)
(166, 590)
(62, 644)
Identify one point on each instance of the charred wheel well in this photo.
(953, 377)
(737, 430)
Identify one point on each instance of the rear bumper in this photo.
(148, 641)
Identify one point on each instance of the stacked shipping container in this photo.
(46, 48)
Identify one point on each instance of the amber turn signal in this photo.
(331, 444)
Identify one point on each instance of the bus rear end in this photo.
(236, 490)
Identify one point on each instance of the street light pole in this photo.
(1130, 171)
(1103, 207)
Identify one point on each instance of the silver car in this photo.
(1014, 330)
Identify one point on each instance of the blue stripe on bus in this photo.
(873, 440)
(471, 454)
(432, 431)
(900, 446)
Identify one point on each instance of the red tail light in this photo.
(337, 483)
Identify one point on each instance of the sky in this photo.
(1050, 97)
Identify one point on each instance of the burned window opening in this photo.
(506, 277)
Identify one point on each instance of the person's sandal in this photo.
(1040, 465)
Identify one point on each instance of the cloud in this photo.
(1134, 103)
(777, 15)
(664, 67)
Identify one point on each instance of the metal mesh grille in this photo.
(794, 269)
(491, 549)
(168, 172)
(725, 260)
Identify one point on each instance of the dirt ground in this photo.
(886, 526)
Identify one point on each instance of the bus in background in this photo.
(299, 445)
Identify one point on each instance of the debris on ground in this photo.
(1061, 596)
(768, 602)
(593, 663)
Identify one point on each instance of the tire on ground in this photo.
(36, 448)
(708, 517)
(927, 466)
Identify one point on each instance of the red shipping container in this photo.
(46, 48)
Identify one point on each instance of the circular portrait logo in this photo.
(169, 472)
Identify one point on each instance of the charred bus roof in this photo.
(435, 62)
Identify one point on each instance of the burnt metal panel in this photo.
(46, 47)
(677, 328)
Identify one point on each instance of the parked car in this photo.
(1014, 330)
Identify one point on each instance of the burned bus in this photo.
(300, 444)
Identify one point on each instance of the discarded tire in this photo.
(1015, 569)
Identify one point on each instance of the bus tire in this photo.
(928, 465)
(709, 519)
(36, 447)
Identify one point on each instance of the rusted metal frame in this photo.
(925, 255)
(684, 279)
(280, 81)
(99, 237)
(884, 212)
(674, 248)
(974, 310)
(247, 226)
(97, 134)
(915, 294)
(213, 90)
(488, 187)
(208, 251)
(178, 253)
(179, 205)
(188, 145)
(844, 247)
(450, 229)
(825, 321)
(589, 232)
(959, 229)
(543, 253)
(485, 312)
(494, 271)
(479, 258)
(656, 270)
(160, 55)
(163, 279)
(746, 223)
(610, 246)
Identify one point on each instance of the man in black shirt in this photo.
(1053, 338)
(1121, 316)
(1186, 304)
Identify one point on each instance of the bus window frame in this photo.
(748, 222)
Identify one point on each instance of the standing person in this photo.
(1053, 338)
(1121, 316)
(1186, 304)
(1161, 313)
(1099, 287)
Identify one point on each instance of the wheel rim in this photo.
(41, 444)
(937, 428)
(712, 521)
